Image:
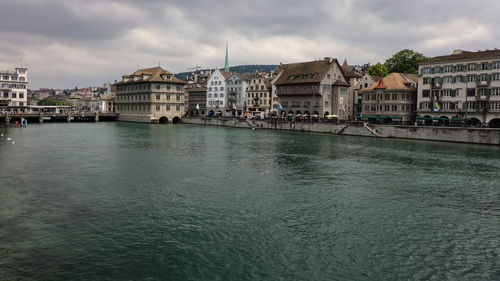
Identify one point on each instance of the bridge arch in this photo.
(176, 120)
(163, 120)
(494, 123)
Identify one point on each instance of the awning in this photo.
(332, 116)
(383, 117)
(372, 117)
(396, 117)
(423, 118)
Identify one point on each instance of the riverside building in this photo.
(259, 97)
(461, 86)
(393, 98)
(313, 88)
(151, 95)
(14, 87)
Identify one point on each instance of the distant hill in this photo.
(249, 68)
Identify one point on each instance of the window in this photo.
(495, 76)
(158, 96)
(496, 65)
(471, 67)
(222, 88)
(484, 66)
(157, 108)
(14, 95)
(177, 97)
(426, 93)
(448, 68)
(495, 91)
(425, 70)
(222, 95)
(471, 78)
(158, 87)
(394, 96)
(21, 95)
(328, 76)
(427, 80)
(471, 92)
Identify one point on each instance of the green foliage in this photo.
(404, 61)
(375, 69)
(49, 101)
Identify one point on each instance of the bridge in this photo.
(40, 117)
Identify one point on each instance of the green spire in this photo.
(226, 67)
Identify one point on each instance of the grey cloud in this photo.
(80, 42)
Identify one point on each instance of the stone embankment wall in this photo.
(450, 134)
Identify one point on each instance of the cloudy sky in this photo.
(88, 42)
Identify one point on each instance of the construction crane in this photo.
(196, 68)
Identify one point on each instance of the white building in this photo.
(14, 86)
(216, 93)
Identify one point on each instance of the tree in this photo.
(49, 101)
(404, 61)
(375, 69)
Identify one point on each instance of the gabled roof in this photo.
(396, 81)
(304, 72)
(225, 74)
(154, 74)
(462, 55)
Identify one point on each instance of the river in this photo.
(124, 201)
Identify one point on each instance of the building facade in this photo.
(313, 88)
(259, 100)
(152, 95)
(393, 97)
(197, 99)
(237, 85)
(14, 87)
(463, 86)
(353, 79)
(216, 93)
(365, 81)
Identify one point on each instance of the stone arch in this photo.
(298, 112)
(290, 112)
(176, 120)
(211, 113)
(163, 120)
(474, 121)
(494, 123)
(326, 114)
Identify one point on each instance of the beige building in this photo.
(365, 81)
(259, 97)
(393, 97)
(152, 95)
(463, 85)
(313, 88)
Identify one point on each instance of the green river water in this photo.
(123, 201)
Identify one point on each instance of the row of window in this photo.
(147, 87)
(215, 103)
(388, 96)
(260, 95)
(132, 97)
(461, 67)
(389, 107)
(215, 95)
(450, 105)
(147, 108)
(13, 78)
(215, 89)
(13, 86)
(309, 88)
(461, 79)
(13, 95)
(435, 94)
(298, 104)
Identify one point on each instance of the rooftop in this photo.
(463, 55)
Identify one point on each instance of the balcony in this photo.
(483, 97)
(483, 83)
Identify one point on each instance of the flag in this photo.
(436, 106)
(234, 106)
(198, 106)
(280, 107)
